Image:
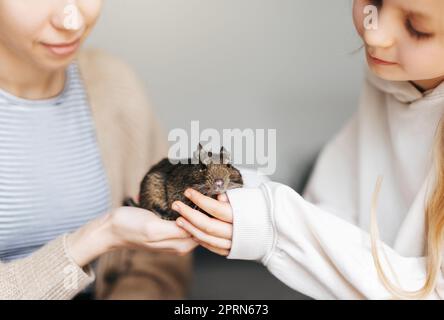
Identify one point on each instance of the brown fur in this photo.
(167, 182)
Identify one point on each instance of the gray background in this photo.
(261, 64)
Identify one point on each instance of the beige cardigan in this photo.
(130, 141)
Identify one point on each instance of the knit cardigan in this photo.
(130, 141)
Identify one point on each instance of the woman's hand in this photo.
(128, 227)
(216, 233)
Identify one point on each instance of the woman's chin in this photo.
(51, 62)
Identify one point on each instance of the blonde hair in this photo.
(434, 214)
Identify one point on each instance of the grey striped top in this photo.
(52, 179)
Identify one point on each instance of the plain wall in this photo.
(260, 64)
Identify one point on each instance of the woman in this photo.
(319, 244)
(76, 138)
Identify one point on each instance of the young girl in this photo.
(319, 244)
(76, 138)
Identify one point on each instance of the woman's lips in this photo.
(64, 49)
(381, 62)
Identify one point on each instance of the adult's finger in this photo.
(158, 230)
(174, 245)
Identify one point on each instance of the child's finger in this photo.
(223, 197)
(196, 233)
(203, 222)
(221, 252)
(221, 211)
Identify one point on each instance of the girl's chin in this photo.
(384, 73)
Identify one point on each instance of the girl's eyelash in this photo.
(415, 33)
(408, 24)
(377, 3)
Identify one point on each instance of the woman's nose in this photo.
(68, 16)
(383, 36)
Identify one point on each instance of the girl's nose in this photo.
(68, 16)
(384, 34)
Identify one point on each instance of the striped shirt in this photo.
(52, 179)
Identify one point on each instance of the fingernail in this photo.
(175, 206)
(179, 222)
(188, 193)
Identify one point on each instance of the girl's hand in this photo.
(216, 233)
(128, 227)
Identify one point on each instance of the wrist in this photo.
(90, 241)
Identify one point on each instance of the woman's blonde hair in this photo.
(434, 215)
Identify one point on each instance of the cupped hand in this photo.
(128, 228)
(214, 233)
(139, 228)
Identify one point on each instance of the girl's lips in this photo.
(379, 61)
(65, 49)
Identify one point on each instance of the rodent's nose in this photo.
(219, 183)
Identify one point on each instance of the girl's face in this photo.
(46, 33)
(407, 44)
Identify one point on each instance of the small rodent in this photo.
(165, 182)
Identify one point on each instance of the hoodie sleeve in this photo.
(312, 250)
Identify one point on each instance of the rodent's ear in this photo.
(225, 156)
(206, 157)
(196, 154)
(202, 155)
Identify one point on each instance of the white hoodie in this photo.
(319, 244)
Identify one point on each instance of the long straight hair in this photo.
(434, 215)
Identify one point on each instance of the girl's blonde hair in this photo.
(434, 215)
